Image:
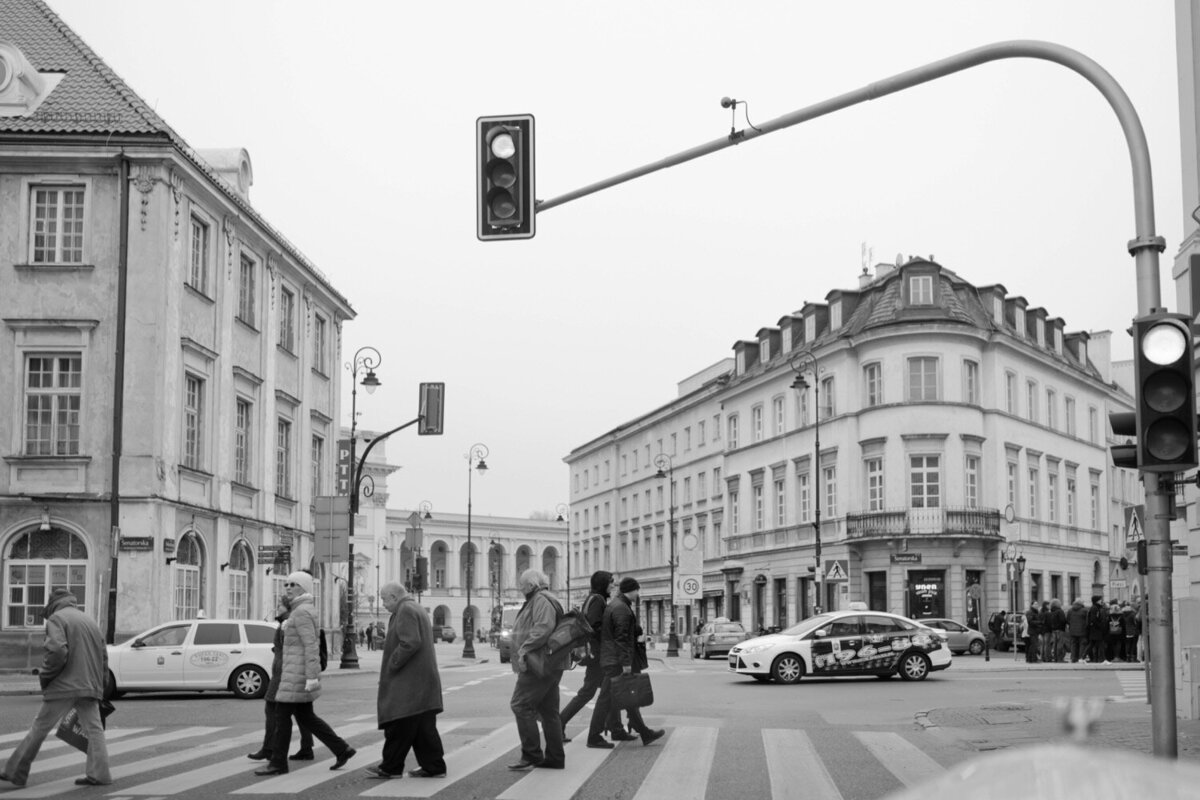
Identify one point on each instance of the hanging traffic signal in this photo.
(421, 579)
(1124, 423)
(504, 177)
(1165, 392)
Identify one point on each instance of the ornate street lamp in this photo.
(800, 363)
(562, 509)
(475, 461)
(367, 358)
(664, 462)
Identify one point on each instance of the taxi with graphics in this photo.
(844, 643)
(232, 655)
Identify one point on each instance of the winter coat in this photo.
(301, 653)
(1033, 621)
(277, 649)
(1097, 623)
(618, 635)
(75, 662)
(1077, 620)
(1057, 619)
(532, 628)
(1131, 623)
(409, 683)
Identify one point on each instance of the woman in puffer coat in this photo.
(300, 680)
(305, 753)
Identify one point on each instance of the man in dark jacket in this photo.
(410, 691)
(1033, 621)
(1077, 630)
(619, 655)
(1097, 630)
(535, 697)
(74, 669)
(1054, 620)
(593, 611)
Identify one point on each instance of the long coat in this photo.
(619, 635)
(409, 683)
(1077, 620)
(301, 653)
(534, 623)
(75, 662)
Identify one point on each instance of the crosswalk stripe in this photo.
(311, 775)
(53, 742)
(137, 767)
(459, 764)
(540, 784)
(792, 762)
(185, 781)
(73, 756)
(900, 757)
(682, 769)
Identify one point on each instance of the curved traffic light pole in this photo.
(1144, 247)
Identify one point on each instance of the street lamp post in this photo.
(424, 509)
(477, 453)
(367, 358)
(664, 461)
(562, 509)
(801, 363)
(496, 556)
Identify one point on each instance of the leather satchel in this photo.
(632, 691)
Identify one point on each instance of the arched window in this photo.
(524, 556)
(37, 563)
(240, 564)
(189, 577)
(550, 566)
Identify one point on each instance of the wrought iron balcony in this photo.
(924, 521)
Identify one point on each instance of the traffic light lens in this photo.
(503, 206)
(503, 174)
(1165, 392)
(502, 146)
(1163, 344)
(1167, 439)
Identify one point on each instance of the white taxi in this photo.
(195, 655)
(854, 642)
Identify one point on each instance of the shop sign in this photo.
(906, 558)
(136, 543)
(168, 546)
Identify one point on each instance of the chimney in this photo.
(865, 278)
(232, 165)
(1099, 350)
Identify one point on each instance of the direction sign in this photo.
(689, 577)
(837, 570)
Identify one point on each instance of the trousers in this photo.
(592, 679)
(417, 733)
(535, 699)
(47, 719)
(306, 738)
(307, 719)
(605, 709)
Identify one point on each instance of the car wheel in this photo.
(976, 647)
(762, 678)
(914, 666)
(248, 682)
(787, 668)
(704, 653)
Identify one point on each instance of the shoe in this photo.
(259, 755)
(652, 736)
(600, 744)
(1106, 663)
(565, 737)
(90, 781)
(378, 772)
(522, 765)
(301, 755)
(551, 765)
(265, 771)
(421, 772)
(622, 736)
(4, 777)
(349, 753)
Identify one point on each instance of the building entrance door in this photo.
(926, 593)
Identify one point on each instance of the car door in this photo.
(214, 650)
(836, 652)
(886, 640)
(155, 660)
(957, 635)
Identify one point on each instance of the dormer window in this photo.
(764, 351)
(920, 290)
(835, 316)
(810, 328)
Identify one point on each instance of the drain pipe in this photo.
(114, 497)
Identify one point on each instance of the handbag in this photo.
(70, 729)
(632, 691)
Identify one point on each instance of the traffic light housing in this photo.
(504, 177)
(431, 405)
(421, 578)
(1124, 423)
(1164, 392)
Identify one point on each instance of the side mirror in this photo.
(138, 643)
(820, 633)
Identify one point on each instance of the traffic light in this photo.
(1165, 392)
(420, 580)
(504, 177)
(1143, 565)
(1124, 423)
(431, 404)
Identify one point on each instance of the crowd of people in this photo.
(1097, 634)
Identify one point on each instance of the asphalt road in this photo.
(727, 736)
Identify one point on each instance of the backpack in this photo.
(324, 649)
(1115, 624)
(588, 653)
(572, 631)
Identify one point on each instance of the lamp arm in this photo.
(363, 460)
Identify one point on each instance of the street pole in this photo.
(365, 357)
(562, 509)
(666, 469)
(477, 452)
(800, 363)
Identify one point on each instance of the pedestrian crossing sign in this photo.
(835, 570)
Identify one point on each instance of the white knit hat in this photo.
(303, 579)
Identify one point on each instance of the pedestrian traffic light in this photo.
(1143, 562)
(504, 177)
(1124, 423)
(431, 404)
(1165, 392)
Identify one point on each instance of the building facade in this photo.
(168, 360)
(962, 465)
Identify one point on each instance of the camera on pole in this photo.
(504, 177)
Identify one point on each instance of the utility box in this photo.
(1189, 687)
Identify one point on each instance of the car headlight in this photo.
(753, 648)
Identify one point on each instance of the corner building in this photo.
(960, 430)
(168, 360)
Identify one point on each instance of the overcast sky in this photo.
(359, 119)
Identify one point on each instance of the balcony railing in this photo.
(924, 521)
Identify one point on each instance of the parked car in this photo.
(961, 638)
(717, 637)
(841, 643)
(444, 633)
(194, 655)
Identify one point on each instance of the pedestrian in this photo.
(1077, 630)
(73, 671)
(410, 691)
(535, 696)
(1054, 623)
(370, 637)
(1097, 631)
(1115, 642)
(305, 753)
(1033, 628)
(593, 676)
(1131, 626)
(621, 653)
(996, 628)
(300, 680)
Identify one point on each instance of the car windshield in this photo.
(731, 627)
(810, 624)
